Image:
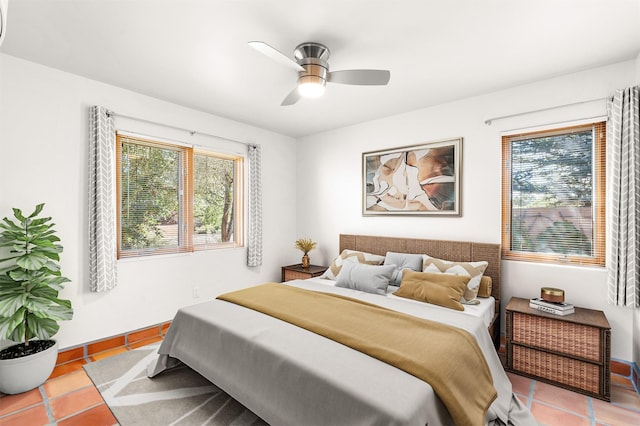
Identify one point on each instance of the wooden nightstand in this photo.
(297, 272)
(571, 351)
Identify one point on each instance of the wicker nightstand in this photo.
(297, 272)
(571, 351)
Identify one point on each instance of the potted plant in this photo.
(305, 245)
(30, 280)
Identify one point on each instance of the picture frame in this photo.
(417, 180)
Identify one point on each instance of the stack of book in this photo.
(551, 307)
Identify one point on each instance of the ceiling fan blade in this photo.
(275, 54)
(360, 77)
(291, 98)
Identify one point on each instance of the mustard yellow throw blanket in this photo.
(446, 357)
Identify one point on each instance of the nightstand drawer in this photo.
(556, 335)
(296, 275)
(568, 371)
(297, 272)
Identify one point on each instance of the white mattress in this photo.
(485, 310)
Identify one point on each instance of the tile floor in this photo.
(69, 398)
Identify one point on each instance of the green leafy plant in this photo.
(30, 279)
(305, 245)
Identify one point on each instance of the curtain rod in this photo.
(491, 120)
(191, 132)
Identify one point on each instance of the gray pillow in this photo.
(369, 278)
(402, 261)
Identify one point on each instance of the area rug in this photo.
(179, 396)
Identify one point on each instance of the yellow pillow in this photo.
(486, 286)
(438, 289)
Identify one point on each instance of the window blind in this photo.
(553, 195)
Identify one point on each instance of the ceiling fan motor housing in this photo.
(313, 58)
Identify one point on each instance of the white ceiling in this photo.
(195, 53)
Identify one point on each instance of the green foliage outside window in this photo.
(213, 196)
(552, 194)
(149, 191)
(154, 183)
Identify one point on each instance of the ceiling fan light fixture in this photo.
(311, 86)
(313, 70)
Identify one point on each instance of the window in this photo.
(173, 199)
(553, 195)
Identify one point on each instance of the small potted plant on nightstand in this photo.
(305, 245)
(30, 280)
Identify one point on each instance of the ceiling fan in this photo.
(313, 70)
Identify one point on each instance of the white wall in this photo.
(43, 152)
(329, 170)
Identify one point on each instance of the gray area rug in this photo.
(179, 396)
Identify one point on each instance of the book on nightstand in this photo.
(551, 307)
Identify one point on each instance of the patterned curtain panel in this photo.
(102, 226)
(623, 193)
(254, 233)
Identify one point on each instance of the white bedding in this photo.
(485, 310)
(289, 376)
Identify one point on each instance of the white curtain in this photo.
(623, 193)
(254, 232)
(102, 210)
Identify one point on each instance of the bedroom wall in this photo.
(329, 168)
(43, 147)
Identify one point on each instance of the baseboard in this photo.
(130, 339)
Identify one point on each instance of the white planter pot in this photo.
(22, 374)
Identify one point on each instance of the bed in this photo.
(457, 251)
(288, 375)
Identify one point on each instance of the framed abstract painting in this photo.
(413, 180)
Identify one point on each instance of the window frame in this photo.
(599, 197)
(186, 198)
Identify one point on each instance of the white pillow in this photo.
(369, 278)
(469, 269)
(350, 256)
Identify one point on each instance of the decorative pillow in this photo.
(486, 286)
(402, 261)
(438, 289)
(369, 278)
(474, 270)
(354, 256)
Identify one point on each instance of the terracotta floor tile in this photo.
(109, 353)
(74, 402)
(562, 398)
(67, 383)
(34, 416)
(622, 381)
(519, 384)
(523, 398)
(96, 416)
(614, 415)
(145, 342)
(9, 403)
(550, 416)
(628, 398)
(66, 368)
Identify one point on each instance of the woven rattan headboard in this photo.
(458, 251)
